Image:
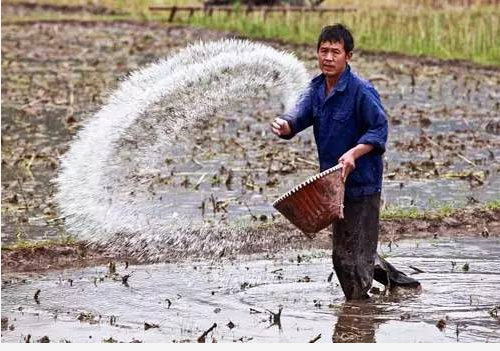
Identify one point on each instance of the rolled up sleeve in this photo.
(374, 119)
(301, 116)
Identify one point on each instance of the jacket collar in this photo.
(341, 84)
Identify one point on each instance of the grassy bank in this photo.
(23, 244)
(440, 212)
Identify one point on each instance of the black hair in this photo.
(338, 33)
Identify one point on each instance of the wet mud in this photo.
(269, 239)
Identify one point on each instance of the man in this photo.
(350, 128)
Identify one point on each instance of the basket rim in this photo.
(307, 182)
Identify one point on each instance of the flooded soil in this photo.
(444, 139)
(181, 302)
(444, 149)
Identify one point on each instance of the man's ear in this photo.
(349, 55)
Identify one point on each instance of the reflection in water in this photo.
(357, 322)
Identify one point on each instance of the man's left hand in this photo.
(348, 164)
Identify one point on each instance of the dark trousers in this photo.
(355, 258)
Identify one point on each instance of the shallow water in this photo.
(204, 293)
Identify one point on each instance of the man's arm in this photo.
(298, 119)
(373, 117)
(348, 160)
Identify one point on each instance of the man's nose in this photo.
(329, 56)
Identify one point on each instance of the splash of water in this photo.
(104, 186)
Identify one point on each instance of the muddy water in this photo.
(97, 306)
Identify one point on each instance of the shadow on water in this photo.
(180, 302)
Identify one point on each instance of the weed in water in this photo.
(441, 324)
(275, 318)
(37, 296)
(315, 339)
(203, 336)
(125, 279)
(466, 267)
(150, 325)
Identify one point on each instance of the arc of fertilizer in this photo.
(122, 147)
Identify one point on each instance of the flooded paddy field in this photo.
(444, 149)
(180, 302)
(444, 135)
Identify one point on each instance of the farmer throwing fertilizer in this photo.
(350, 128)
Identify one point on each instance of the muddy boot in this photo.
(385, 273)
(355, 246)
(355, 281)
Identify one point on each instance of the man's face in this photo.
(332, 58)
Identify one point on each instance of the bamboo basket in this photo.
(316, 203)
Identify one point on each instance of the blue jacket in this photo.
(352, 114)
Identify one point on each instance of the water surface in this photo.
(204, 293)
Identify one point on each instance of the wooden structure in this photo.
(265, 10)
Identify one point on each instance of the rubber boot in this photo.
(355, 246)
(386, 274)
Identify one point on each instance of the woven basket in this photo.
(316, 203)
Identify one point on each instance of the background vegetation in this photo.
(466, 30)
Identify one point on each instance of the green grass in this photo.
(439, 212)
(468, 34)
(23, 244)
(493, 205)
(394, 212)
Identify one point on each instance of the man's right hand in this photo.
(280, 127)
